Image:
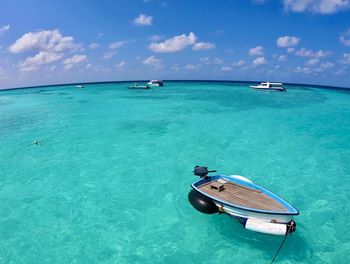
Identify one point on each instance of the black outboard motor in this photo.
(202, 171)
(198, 200)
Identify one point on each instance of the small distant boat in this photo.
(155, 83)
(269, 86)
(79, 86)
(255, 207)
(137, 86)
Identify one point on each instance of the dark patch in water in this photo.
(152, 127)
(9, 124)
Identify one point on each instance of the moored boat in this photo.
(137, 86)
(256, 208)
(273, 86)
(155, 83)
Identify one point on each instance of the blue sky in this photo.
(52, 42)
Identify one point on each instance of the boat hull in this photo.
(257, 210)
(242, 213)
(139, 87)
(280, 89)
(284, 215)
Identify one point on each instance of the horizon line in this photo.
(176, 80)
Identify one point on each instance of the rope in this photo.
(284, 240)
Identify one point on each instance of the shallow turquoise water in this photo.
(108, 182)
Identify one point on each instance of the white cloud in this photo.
(94, 45)
(108, 55)
(290, 50)
(75, 59)
(226, 68)
(208, 60)
(282, 58)
(217, 61)
(173, 44)
(306, 70)
(205, 60)
(327, 65)
(117, 44)
(143, 20)
(3, 29)
(287, 41)
(152, 61)
(88, 66)
(46, 40)
(193, 67)
(312, 54)
(345, 41)
(312, 69)
(346, 58)
(70, 62)
(120, 64)
(345, 38)
(203, 46)
(316, 6)
(259, 61)
(43, 57)
(257, 51)
(68, 67)
(238, 63)
(313, 62)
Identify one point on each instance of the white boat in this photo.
(255, 207)
(137, 86)
(155, 83)
(269, 86)
(79, 86)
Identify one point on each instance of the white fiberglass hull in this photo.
(236, 212)
(268, 88)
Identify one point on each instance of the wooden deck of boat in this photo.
(243, 196)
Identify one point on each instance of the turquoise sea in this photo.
(109, 179)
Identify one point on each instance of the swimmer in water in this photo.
(35, 142)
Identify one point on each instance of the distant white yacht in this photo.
(155, 83)
(269, 86)
(137, 86)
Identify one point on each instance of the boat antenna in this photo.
(290, 228)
